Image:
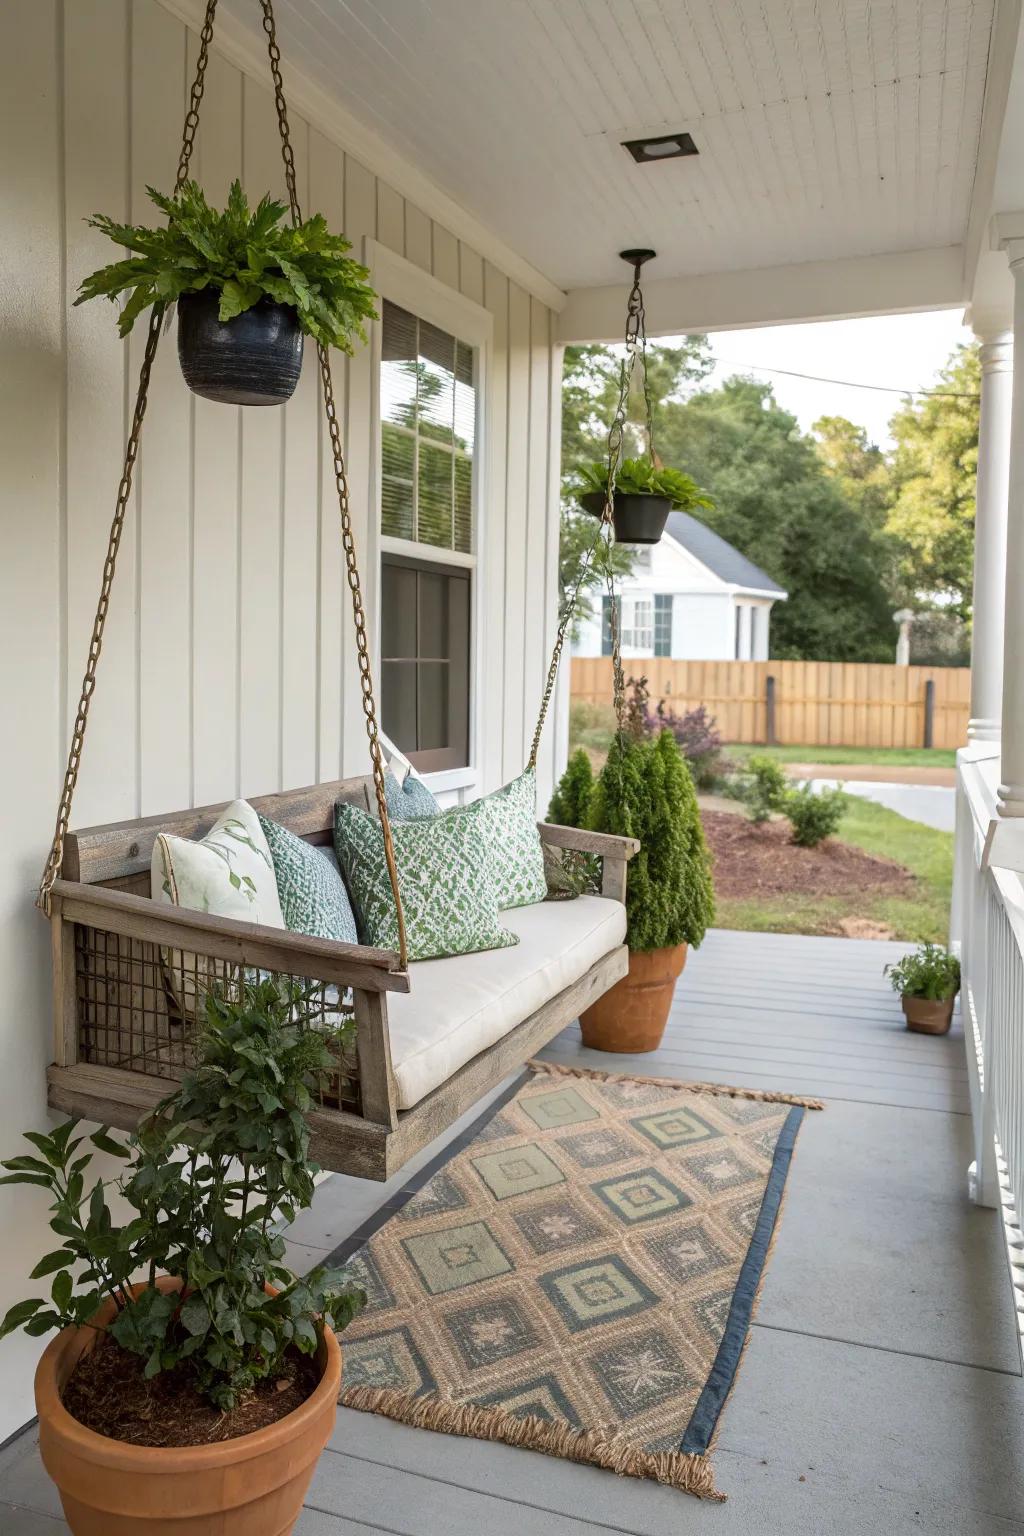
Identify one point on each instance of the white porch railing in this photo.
(988, 927)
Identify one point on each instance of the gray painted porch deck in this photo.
(882, 1388)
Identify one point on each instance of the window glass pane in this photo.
(432, 629)
(432, 717)
(398, 614)
(428, 407)
(663, 624)
(425, 632)
(434, 499)
(398, 703)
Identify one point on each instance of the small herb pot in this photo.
(927, 1015)
(254, 359)
(636, 519)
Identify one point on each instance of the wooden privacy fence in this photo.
(802, 703)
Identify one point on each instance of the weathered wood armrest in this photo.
(225, 938)
(614, 852)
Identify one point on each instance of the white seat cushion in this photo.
(457, 1007)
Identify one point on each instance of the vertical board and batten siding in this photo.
(817, 703)
(229, 663)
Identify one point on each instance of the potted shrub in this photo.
(193, 1376)
(645, 791)
(927, 980)
(645, 494)
(248, 288)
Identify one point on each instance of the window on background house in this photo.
(638, 624)
(738, 643)
(663, 624)
(428, 409)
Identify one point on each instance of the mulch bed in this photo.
(108, 1393)
(751, 861)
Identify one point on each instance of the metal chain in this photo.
(635, 334)
(55, 857)
(341, 483)
(287, 154)
(188, 137)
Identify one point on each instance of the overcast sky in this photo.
(899, 351)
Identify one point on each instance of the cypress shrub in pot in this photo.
(193, 1376)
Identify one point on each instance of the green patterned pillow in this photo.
(516, 851)
(311, 891)
(445, 874)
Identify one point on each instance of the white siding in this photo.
(229, 661)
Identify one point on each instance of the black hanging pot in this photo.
(254, 359)
(637, 519)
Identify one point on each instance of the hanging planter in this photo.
(644, 497)
(248, 289)
(254, 359)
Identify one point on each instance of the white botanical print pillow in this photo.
(228, 874)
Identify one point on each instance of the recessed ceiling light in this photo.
(663, 146)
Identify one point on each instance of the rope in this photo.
(636, 334)
(56, 854)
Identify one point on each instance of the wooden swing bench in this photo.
(458, 1026)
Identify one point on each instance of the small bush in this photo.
(697, 737)
(814, 815)
(570, 802)
(763, 788)
(930, 971)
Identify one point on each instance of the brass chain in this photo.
(635, 334)
(341, 483)
(55, 857)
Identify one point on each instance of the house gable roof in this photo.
(721, 558)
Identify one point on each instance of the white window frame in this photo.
(630, 606)
(409, 286)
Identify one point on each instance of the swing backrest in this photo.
(118, 854)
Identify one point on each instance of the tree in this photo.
(776, 500)
(933, 468)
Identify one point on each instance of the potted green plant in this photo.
(248, 288)
(193, 1372)
(645, 494)
(927, 980)
(645, 791)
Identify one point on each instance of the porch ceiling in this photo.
(833, 129)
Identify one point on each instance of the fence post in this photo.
(929, 712)
(769, 701)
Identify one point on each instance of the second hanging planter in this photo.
(636, 519)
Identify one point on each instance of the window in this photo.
(425, 629)
(663, 624)
(739, 631)
(428, 437)
(606, 626)
(636, 625)
(428, 426)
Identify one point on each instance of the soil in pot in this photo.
(928, 1016)
(253, 359)
(108, 1393)
(631, 1016)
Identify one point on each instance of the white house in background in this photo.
(694, 597)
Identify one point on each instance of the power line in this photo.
(816, 378)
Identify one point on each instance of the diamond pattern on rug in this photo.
(573, 1264)
(641, 1196)
(558, 1224)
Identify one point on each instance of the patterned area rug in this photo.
(577, 1272)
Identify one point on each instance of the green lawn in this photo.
(924, 914)
(895, 757)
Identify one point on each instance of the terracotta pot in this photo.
(928, 1016)
(250, 1486)
(631, 1016)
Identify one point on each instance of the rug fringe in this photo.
(769, 1096)
(687, 1472)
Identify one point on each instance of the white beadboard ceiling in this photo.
(826, 128)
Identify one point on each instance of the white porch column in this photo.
(990, 531)
(1011, 789)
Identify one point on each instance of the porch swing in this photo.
(123, 963)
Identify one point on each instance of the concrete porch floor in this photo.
(881, 1390)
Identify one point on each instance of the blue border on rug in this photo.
(705, 1416)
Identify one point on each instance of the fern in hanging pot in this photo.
(645, 494)
(248, 289)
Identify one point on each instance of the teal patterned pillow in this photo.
(445, 874)
(311, 891)
(517, 852)
(411, 801)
